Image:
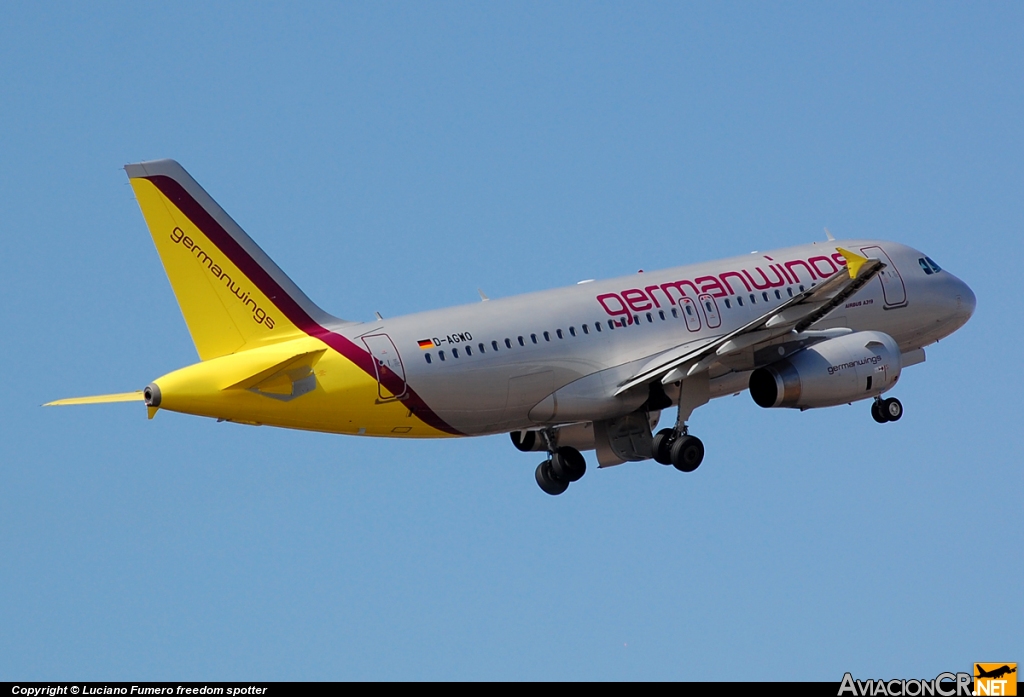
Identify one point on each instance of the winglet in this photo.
(853, 261)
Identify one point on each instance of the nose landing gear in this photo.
(885, 410)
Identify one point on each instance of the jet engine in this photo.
(836, 371)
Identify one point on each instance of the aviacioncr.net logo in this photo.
(943, 685)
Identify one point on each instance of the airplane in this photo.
(995, 673)
(589, 367)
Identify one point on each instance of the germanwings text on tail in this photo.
(584, 368)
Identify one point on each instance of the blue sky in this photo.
(396, 157)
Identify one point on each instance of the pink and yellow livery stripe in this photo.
(287, 305)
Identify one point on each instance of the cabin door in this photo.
(893, 290)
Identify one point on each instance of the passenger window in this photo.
(494, 345)
(778, 295)
(675, 313)
(801, 288)
(689, 309)
(661, 313)
(649, 318)
(508, 343)
(469, 350)
(481, 347)
(924, 266)
(727, 305)
(753, 300)
(597, 326)
(533, 338)
(739, 300)
(586, 329)
(611, 325)
(790, 291)
(765, 296)
(440, 354)
(427, 356)
(455, 353)
(558, 333)
(547, 336)
(572, 331)
(521, 342)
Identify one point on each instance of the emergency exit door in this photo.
(388, 366)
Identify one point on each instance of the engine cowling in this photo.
(837, 371)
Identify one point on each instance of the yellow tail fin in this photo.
(233, 297)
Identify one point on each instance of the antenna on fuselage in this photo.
(829, 235)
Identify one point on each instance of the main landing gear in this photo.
(678, 448)
(566, 465)
(885, 410)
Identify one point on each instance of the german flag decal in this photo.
(426, 343)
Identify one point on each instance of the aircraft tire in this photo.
(876, 412)
(569, 464)
(687, 453)
(661, 446)
(547, 481)
(892, 409)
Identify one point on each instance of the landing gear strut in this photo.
(885, 410)
(675, 446)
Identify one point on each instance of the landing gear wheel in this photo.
(662, 445)
(548, 482)
(892, 409)
(687, 452)
(876, 412)
(568, 464)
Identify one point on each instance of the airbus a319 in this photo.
(584, 368)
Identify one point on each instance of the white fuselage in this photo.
(490, 364)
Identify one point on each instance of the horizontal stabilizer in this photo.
(99, 399)
(279, 378)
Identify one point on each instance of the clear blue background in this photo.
(395, 157)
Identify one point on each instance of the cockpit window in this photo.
(924, 266)
(935, 267)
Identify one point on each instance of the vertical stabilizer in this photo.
(233, 297)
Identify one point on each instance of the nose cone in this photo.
(966, 302)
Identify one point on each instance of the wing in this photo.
(792, 317)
